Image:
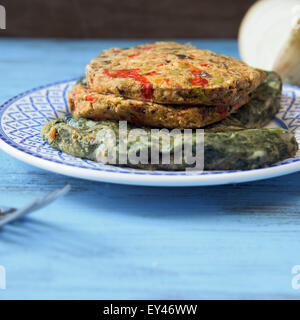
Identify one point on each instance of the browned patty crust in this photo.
(172, 73)
(86, 103)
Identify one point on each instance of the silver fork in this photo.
(8, 215)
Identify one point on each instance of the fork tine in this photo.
(48, 198)
(19, 213)
(5, 210)
(35, 205)
(52, 196)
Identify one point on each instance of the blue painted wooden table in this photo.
(121, 242)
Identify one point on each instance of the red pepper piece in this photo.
(134, 55)
(197, 80)
(147, 88)
(90, 98)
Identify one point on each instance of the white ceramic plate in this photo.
(22, 117)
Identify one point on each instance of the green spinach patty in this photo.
(237, 150)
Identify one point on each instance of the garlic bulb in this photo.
(269, 37)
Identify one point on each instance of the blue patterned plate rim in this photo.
(58, 162)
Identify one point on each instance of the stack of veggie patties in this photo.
(165, 84)
(173, 85)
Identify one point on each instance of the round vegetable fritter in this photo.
(172, 73)
(89, 104)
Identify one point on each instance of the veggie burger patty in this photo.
(89, 104)
(172, 73)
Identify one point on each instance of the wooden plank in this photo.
(124, 19)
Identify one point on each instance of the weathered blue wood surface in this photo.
(121, 242)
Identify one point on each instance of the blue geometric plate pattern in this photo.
(22, 117)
